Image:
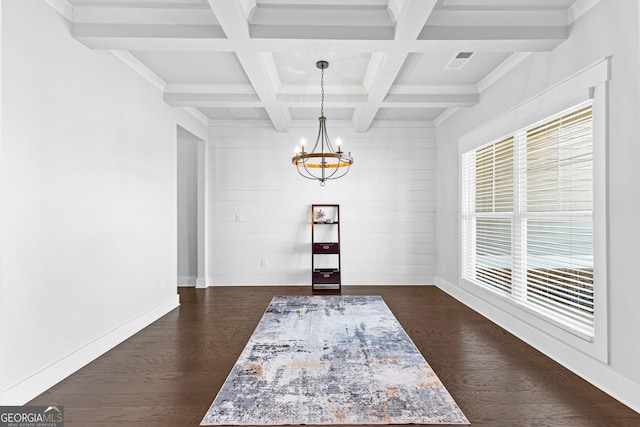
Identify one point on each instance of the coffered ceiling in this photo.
(406, 61)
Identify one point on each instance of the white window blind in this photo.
(527, 217)
(491, 211)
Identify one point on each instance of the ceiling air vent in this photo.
(459, 61)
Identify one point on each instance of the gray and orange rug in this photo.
(331, 360)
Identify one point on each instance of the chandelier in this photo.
(323, 162)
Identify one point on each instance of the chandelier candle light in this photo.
(326, 163)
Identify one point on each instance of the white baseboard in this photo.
(186, 280)
(260, 285)
(202, 282)
(592, 370)
(390, 284)
(309, 284)
(39, 382)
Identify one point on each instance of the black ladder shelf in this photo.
(325, 248)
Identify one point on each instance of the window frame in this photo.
(506, 162)
(588, 84)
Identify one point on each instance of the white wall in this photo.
(592, 38)
(88, 222)
(386, 205)
(187, 208)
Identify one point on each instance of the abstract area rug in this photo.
(331, 360)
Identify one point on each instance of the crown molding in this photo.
(197, 114)
(502, 69)
(63, 7)
(139, 68)
(445, 115)
(579, 8)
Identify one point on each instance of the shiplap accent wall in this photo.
(258, 207)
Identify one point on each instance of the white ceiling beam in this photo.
(370, 3)
(477, 33)
(269, 63)
(465, 43)
(233, 19)
(335, 100)
(395, 8)
(248, 7)
(439, 89)
(498, 18)
(142, 16)
(135, 28)
(211, 103)
(434, 100)
(231, 100)
(319, 16)
(211, 100)
(152, 4)
(409, 22)
(240, 100)
(241, 89)
(113, 39)
(321, 22)
(312, 89)
(386, 75)
(322, 32)
(328, 45)
(97, 40)
(149, 31)
(412, 18)
(508, 30)
(502, 4)
(373, 69)
(259, 78)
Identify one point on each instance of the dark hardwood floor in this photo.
(169, 373)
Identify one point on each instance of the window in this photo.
(527, 217)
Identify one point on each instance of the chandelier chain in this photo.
(322, 88)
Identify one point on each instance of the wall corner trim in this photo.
(32, 386)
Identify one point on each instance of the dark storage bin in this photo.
(326, 248)
(326, 276)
